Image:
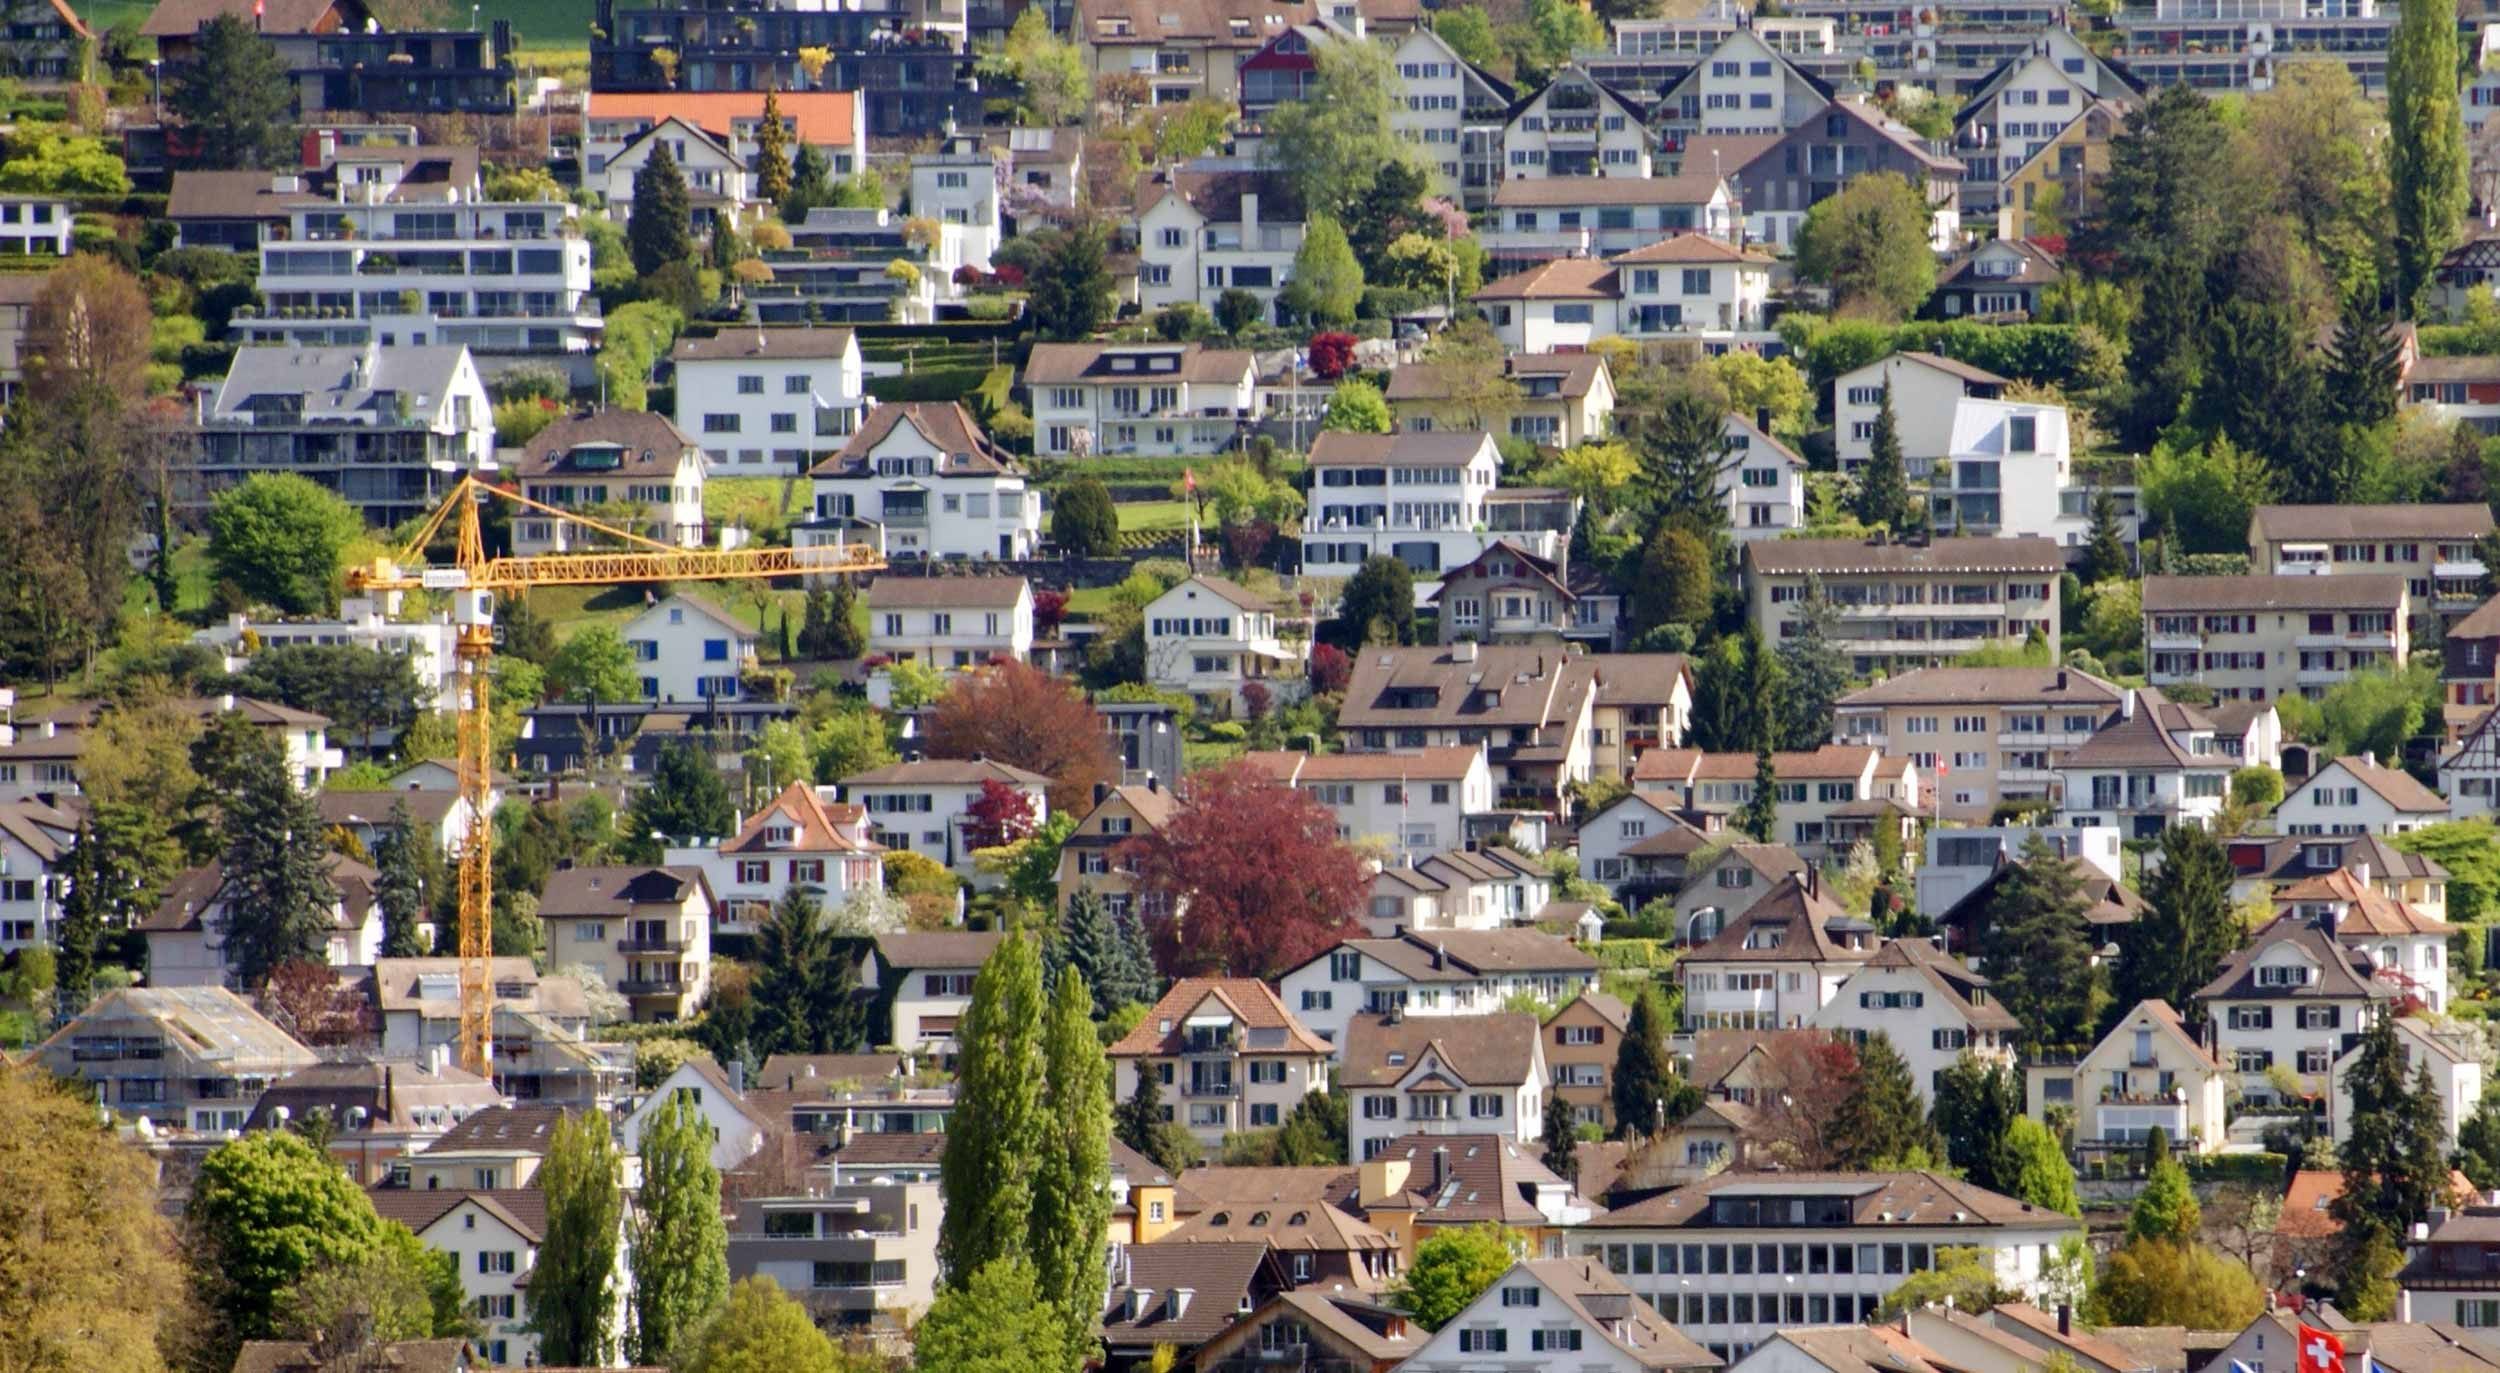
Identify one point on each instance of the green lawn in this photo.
(765, 505)
(104, 14)
(1153, 515)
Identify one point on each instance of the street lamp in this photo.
(156, 84)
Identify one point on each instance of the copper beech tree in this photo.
(1248, 878)
(1019, 715)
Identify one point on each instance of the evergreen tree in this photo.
(2036, 948)
(996, 1137)
(82, 925)
(2105, 551)
(772, 151)
(400, 888)
(233, 98)
(161, 579)
(2363, 367)
(2478, 1142)
(1977, 1104)
(1675, 584)
(572, 1297)
(681, 1246)
(1646, 1087)
(1138, 1123)
(2165, 224)
(661, 230)
(2426, 160)
(2166, 1210)
(278, 894)
(521, 632)
(1682, 448)
(2169, 953)
(2368, 1290)
(1071, 291)
(1562, 1139)
(686, 800)
(2465, 480)
(1379, 599)
(806, 989)
(811, 184)
(1882, 1122)
(1092, 943)
(1719, 700)
(829, 628)
(1072, 1178)
(1814, 672)
(1759, 690)
(2393, 1163)
(1759, 816)
(2261, 387)
(1314, 1132)
(1884, 482)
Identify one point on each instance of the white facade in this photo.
(687, 650)
(494, 1254)
(951, 622)
(1451, 113)
(1689, 288)
(1210, 638)
(931, 484)
(2357, 796)
(736, 1132)
(2011, 466)
(769, 396)
(960, 188)
(1742, 86)
(1417, 801)
(926, 806)
(1544, 1315)
(1576, 127)
(1763, 482)
(1239, 240)
(37, 226)
(2148, 1073)
(427, 644)
(1402, 1080)
(716, 179)
(2288, 1003)
(800, 839)
(1427, 974)
(929, 977)
(2452, 1054)
(1428, 499)
(1930, 1026)
(1138, 398)
(1927, 393)
(34, 842)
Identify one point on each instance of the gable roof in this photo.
(270, 18)
(891, 591)
(1962, 989)
(2037, 266)
(2343, 974)
(2366, 912)
(528, 1128)
(1577, 375)
(2470, 520)
(524, 1209)
(965, 449)
(1221, 1278)
(1610, 1312)
(1496, 1050)
(1249, 1002)
(822, 118)
(945, 772)
(1907, 1198)
(2166, 1019)
(938, 948)
(1826, 762)
(2140, 739)
(1944, 686)
(762, 344)
(2106, 901)
(645, 444)
(816, 826)
(1445, 762)
(1563, 278)
(710, 609)
(2394, 786)
(1689, 248)
(1861, 1349)
(1793, 923)
(1466, 955)
(1064, 363)
(613, 891)
(1216, 194)
(1484, 1178)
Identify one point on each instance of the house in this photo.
(378, 1110)
(418, 1000)
(1689, 287)
(1582, 1041)
(2257, 638)
(186, 934)
(930, 975)
(1215, 639)
(1427, 974)
(187, 1058)
(437, 818)
(299, 1356)
(688, 648)
(1933, 1010)
(2470, 671)
(1090, 859)
(931, 483)
(1228, 1054)
(1047, 167)
(2469, 770)
(1481, 887)
(1778, 963)
(39, 755)
(2431, 546)
(1541, 219)
(1844, 140)
(2249, 733)
(1744, 85)
(1822, 1221)
(719, 183)
(18, 293)
(2447, 1051)
(1453, 112)
(1848, 1349)
(796, 393)
(1544, 1312)
(1323, 1246)
(2012, 474)
(1146, 1203)
(2150, 1072)
(1927, 391)
(2020, 111)
(1637, 846)
(2060, 183)
(958, 185)
(493, 1237)
(626, 469)
(826, 120)
(1988, 735)
(1418, 801)
(35, 839)
(1763, 482)
(2152, 766)
(428, 642)
(1165, 398)
(1437, 1182)
(1442, 1074)
(1964, 857)
(797, 841)
(737, 1128)
(2359, 796)
(2108, 902)
(1999, 279)
(1357, 510)
(870, 1261)
(1531, 708)
(1340, 1329)
(2406, 949)
(49, 43)
(1983, 590)
(1201, 233)
(2262, 865)
(926, 806)
(1180, 1296)
(910, 68)
(646, 931)
(950, 622)
(1830, 798)
(35, 225)
(2282, 1007)
(1576, 127)
(1197, 55)
(1727, 884)
(2447, 1278)
(389, 428)
(1644, 701)
(1557, 400)
(1505, 595)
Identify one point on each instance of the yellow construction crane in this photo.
(474, 581)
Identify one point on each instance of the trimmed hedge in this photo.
(930, 383)
(2263, 1169)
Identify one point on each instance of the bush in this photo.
(1625, 955)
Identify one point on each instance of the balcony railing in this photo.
(650, 986)
(653, 945)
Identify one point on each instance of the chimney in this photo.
(225, 703)
(1180, 1301)
(1813, 880)
(1153, 783)
(1249, 208)
(1139, 1299)
(1101, 790)
(2404, 1307)
(2061, 679)
(1762, 418)
(2361, 871)
(1440, 957)
(737, 1070)
(2065, 1319)
(2126, 705)
(1440, 1167)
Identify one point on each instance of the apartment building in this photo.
(1693, 287)
(1742, 86)
(1637, 847)
(1576, 127)
(492, 1236)
(1185, 52)
(826, 120)
(2469, 671)
(2358, 795)
(2431, 546)
(1562, 400)
(390, 428)
(2010, 472)
(1841, 142)
(1227, 1053)
(627, 469)
(1986, 736)
(1763, 482)
(1931, 1008)
(1162, 398)
(185, 1058)
(1542, 218)
(796, 841)
(1215, 639)
(1091, 861)
(1529, 708)
(1830, 798)
(1208, 228)
(1433, 974)
(1416, 800)
(925, 805)
(1905, 606)
(860, 1256)
(1927, 392)
(2150, 1072)
(427, 643)
(2156, 764)
(1506, 595)
(1480, 887)
(1452, 112)
(1428, 499)
(186, 933)
(780, 399)
(2265, 636)
(909, 60)
(951, 622)
(646, 931)
(928, 483)
(1427, 1075)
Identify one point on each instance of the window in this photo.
(1484, 1106)
(1522, 1296)
(1482, 1340)
(750, 386)
(495, 1261)
(1572, 314)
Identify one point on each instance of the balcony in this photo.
(654, 945)
(651, 986)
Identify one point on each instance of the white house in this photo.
(1417, 800)
(427, 644)
(925, 806)
(1480, 887)
(1577, 127)
(2012, 474)
(493, 1237)
(1459, 1074)
(389, 427)
(35, 839)
(2358, 796)
(930, 484)
(186, 934)
(627, 469)
(950, 622)
(1213, 638)
(2287, 1001)
(1690, 287)
(737, 1129)
(1742, 86)
(2149, 1072)
(2153, 766)
(1433, 973)
(2469, 771)
(687, 648)
(776, 399)
(1930, 1007)
(1214, 227)
(1638, 843)
(958, 185)
(1778, 963)
(1452, 112)
(1158, 398)
(1558, 1313)
(1427, 499)
(2450, 1052)
(929, 974)
(37, 225)
(799, 840)
(1763, 482)
(1541, 218)
(718, 182)
(1927, 391)
(2406, 949)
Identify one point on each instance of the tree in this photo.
(2158, 1282)
(1977, 1104)
(996, 1136)
(1378, 603)
(772, 151)
(1071, 292)
(1072, 1180)
(762, 1329)
(1964, 1280)
(2261, 387)
(661, 230)
(84, 906)
(2363, 366)
(1334, 142)
(686, 800)
(1355, 406)
(1248, 877)
(1813, 673)
(278, 536)
(593, 665)
(2042, 1175)
(1869, 245)
(1019, 715)
(571, 1292)
(681, 1245)
(89, 333)
(2478, 1142)
(1760, 815)
(1327, 280)
(1237, 309)
(1453, 1268)
(1562, 1139)
(1768, 391)
(2166, 1210)
(267, 1210)
(1000, 815)
(1083, 521)
(1092, 944)
(1649, 1096)
(2393, 1163)
(1469, 32)
(2105, 548)
(2368, 1290)
(2426, 143)
(1048, 71)
(995, 1320)
(1882, 1121)
(400, 888)
(1676, 584)
(277, 893)
(806, 991)
(2174, 949)
(2036, 948)
(397, 1290)
(233, 98)
(2164, 224)
(1683, 447)
(1139, 1124)
(1884, 483)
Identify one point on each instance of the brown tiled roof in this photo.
(1791, 556)
(2366, 911)
(1531, 686)
(945, 772)
(2162, 1014)
(1448, 762)
(1605, 1308)
(1801, 919)
(1220, 1278)
(1692, 188)
(1956, 367)
(1564, 278)
(1306, 1224)
(1153, 805)
(2470, 520)
(1953, 686)
(375, 807)
(225, 195)
(2037, 268)
(2482, 623)
(651, 445)
(1640, 679)
(1405, 448)
(527, 1128)
(2392, 785)
(1486, 1178)
(1949, 977)
(946, 425)
(1430, 381)
(1061, 363)
(1227, 589)
(1912, 1198)
(815, 825)
(274, 18)
(188, 898)
(615, 891)
(2285, 858)
(1862, 1349)
(938, 948)
(1466, 955)
(522, 1208)
(2073, 1335)
(1252, 1003)
(770, 345)
(905, 592)
(1332, 1312)
(788, 1071)
(1717, 1053)
(1217, 195)
(2343, 974)
(2140, 740)
(2287, 591)
(1844, 761)
(1208, 21)
(1683, 248)
(1481, 1050)
(889, 1149)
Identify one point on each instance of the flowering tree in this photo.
(1248, 878)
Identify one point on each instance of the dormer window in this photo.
(2284, 975)
(2321, 857)
(780, 836)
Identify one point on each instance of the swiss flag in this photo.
(2320, 1352)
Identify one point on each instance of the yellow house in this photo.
(1146, 1204)
(1405, 1191)
(2073, 163)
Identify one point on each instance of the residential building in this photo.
(950, 622)
(1582, 1041)
(441, 819)
(2469, 770)
(2447, 1052)
(626, 469)
(1453, 112)
(926, 806)
(1435, 1182)
(1417, 801)
(1576, 127)
(1485, 886)
(1836, 1348)
(2262, 865)
(1989, 736)
(2153, 766)
(1744, 85)
(1637, 846)
(1211, 227)
(797, 841)
(1161, 398)
(35, 841)
(427, 643)
(2447, 1278)
(2286, 1002)
(1542, 218)
(2262, 637)
(859, 1256)
(379, 1110)
(2071, 164)
(957, 185)
(930, 975)
(186, 1058)
(1505, 595)
(908, 60)
(2107, 901)
(1927, 391)
(1644, 701)
(1339, 1328)
(1091, 860)
(1830, 798)
(1906, 606)
(39, 756)
(389, 428)
(835, 269)
(718, 181)
(493, 1236)
(18, 292)
(1432, 974)
(418, 1001)
(1559, 400)
(497, 1149)
(36, 226)
(1359, 511)
(2470, 671)
(2150, 1072)
(2359, 796)
(1442, 1074)
(796, 395)
(1837, 1244)
(1047, 168)
(1778, 963)
(1999, 279)
(1961, 858)
(930, 483)
(1812, 159)
(646, 931)
(186, 934)
(2010, 472)
(826, 120)
(1530, 708)
(1181, 1296)
(688, 648)
(2407, 949)
(1932, 1009)
(2431, 546)
(1197, 55)
(1763, 482)
(1227, 1053)
(1548, 1313)
(1215, 639)
(1690, 286)
(1729, 882)
(49, 43)
(1323, 1245)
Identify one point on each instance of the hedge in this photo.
(2210, 565)
(930, 383)
(2053, 354)
(1631, 954)
(962, 331)
(2262, 1169)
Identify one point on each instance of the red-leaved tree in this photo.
(1000, 815)
(1798, 1091)
(1017, 714)
(1256, 700)
(1050, 610)
(1332, 355)
(1008, 275)
(1248, 877)
(1330, 669)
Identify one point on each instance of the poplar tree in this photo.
(996, 1137)
(2172, 950)
(1646, 1086)
(278, 894)
(82, 926)
(1759, 816)
(572, 1300)
(2426, 160)
(1072, 1179)
(681, 1246)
